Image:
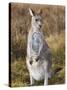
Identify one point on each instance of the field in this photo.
(54, 32)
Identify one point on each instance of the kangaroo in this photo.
(38, 52)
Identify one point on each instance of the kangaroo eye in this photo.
(36, 20)
(36, 59)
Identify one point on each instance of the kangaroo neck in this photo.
(34, 29)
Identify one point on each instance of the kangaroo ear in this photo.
(40, 11)
(31, 12)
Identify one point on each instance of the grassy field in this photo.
(54, 32)
(19, 72)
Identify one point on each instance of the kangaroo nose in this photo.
(31, 62)
(40, 26)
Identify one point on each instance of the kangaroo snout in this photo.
(40, 26)
(31, 62)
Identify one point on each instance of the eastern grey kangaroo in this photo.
(38, 52)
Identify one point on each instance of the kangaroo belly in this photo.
(38, 73)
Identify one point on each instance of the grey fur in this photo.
(37, 49)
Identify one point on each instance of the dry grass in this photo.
(56, 41)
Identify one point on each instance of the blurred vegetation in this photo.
(54, 32)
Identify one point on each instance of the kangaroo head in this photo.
(36, 20)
